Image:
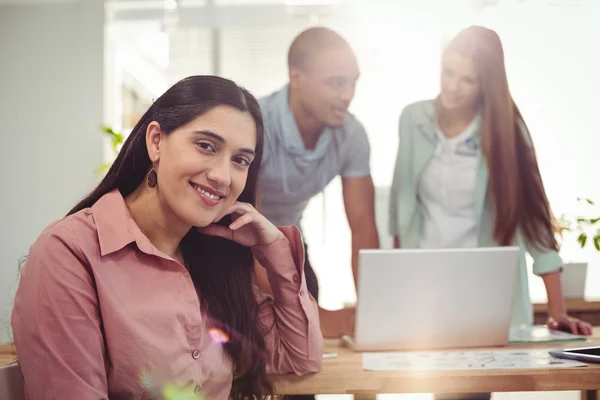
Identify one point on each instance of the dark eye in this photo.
(243, 161)
(337, 82)
(206, 146)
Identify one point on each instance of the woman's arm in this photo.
(290, 314)
(557, 310)
(400, 165)
(56, 323)
(548, 264)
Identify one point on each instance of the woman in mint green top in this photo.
(466, 173)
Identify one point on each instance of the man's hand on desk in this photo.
(335, 324)
(569, 324)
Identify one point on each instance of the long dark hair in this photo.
(222, 271)
(516, 185)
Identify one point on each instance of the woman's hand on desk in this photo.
(569, 324)
(335, 324)
(558, 316)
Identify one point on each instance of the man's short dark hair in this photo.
(312, 41)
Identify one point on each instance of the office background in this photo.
(68, 66)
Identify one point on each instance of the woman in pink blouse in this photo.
(149, 280)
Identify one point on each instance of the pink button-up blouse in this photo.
(99, 309)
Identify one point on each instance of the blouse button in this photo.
(197, 389)
(196, 354)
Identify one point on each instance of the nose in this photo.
(347, 93)
(219, 172)
(451, 84)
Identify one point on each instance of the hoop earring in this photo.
(152, 178)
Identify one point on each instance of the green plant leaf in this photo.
(116, 142)
(103, 168)
(594, 220)
(580, 220)
(108, 130)
(582, 239)
(590, 202)
(597, 242)
(116, 137)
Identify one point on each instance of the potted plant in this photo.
(116, 141)
(587, 233)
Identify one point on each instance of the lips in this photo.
(451, 98)
(209, 196)
(340, 112)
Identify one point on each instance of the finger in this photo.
(590, 328)
(235, 210)
(241, 221)
(239, 208)
(217, 230)
(243, 207)
(581, 327)
(585, 328)
(572, 326)
(565, 325)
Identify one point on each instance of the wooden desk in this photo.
(585, 309)
(344, 375)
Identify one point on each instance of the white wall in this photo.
(554, 79)
(51, 104)
(553, 76)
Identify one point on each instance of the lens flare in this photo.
(175, 392)
(169, 391)
(218, 336)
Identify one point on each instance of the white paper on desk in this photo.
(465, 360)
(540, 334)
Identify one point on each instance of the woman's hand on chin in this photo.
(249, 227)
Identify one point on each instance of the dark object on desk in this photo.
(584, 354)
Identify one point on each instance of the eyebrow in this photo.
(345, 78)
(222, 140)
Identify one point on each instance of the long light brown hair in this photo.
(516, 188)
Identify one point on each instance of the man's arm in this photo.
(359, 202)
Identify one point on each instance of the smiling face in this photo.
(460, 89)
(203, 165)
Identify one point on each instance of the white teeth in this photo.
(212, 196)
(207, 194)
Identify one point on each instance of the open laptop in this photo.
(434, 299)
